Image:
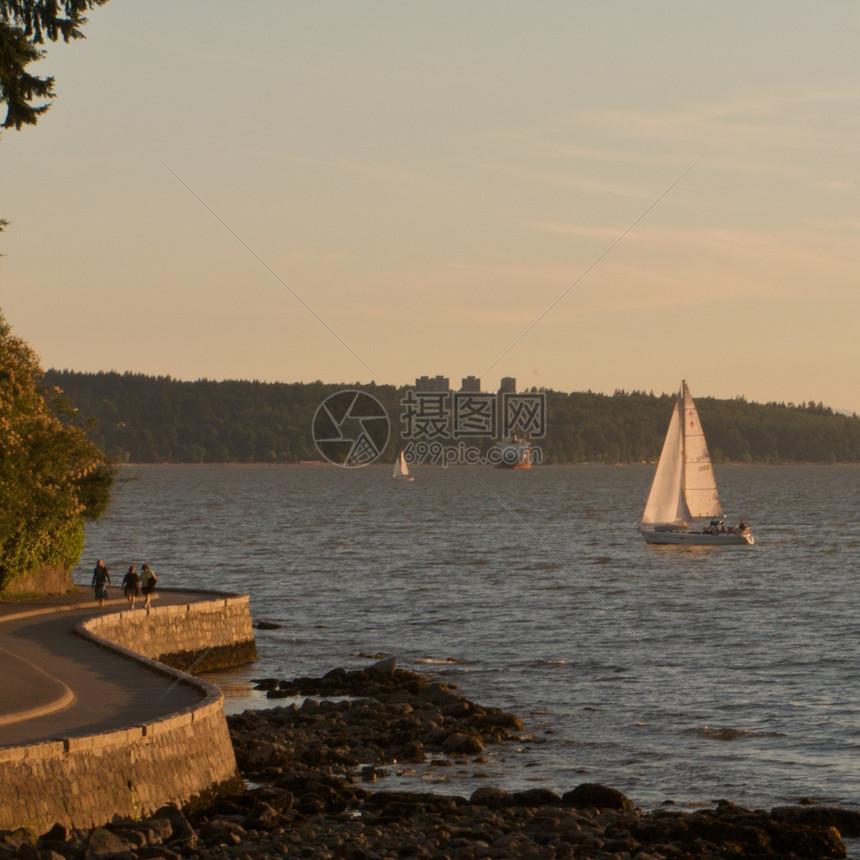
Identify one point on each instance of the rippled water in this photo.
(684, 674)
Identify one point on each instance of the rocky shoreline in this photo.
(310, 771)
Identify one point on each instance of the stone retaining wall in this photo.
(193, 637)
(130, 773)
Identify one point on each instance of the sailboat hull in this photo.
(697, 538)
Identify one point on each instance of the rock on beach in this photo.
(310, 767)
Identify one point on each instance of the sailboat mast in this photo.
(683, 401)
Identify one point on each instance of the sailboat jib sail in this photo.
(684, 488)
(666, 502)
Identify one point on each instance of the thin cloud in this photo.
(659, 267)
(776, 121)
(838, 185)
(384, 170)
(561, 178)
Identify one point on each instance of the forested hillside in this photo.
(144, 419)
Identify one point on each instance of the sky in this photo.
(581, 195)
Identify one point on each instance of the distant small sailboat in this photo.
(401, 469)
(684, 488)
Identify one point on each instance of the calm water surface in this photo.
(683, 674)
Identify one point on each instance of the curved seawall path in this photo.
(88, 728)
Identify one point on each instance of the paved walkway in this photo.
(55, 684)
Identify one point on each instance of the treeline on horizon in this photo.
(145, 419)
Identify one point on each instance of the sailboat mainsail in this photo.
(684, 487)
(401, 469)
(700, 488)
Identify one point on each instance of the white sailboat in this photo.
(684, 488)
(401, 470)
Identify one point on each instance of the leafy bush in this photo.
(51, 476)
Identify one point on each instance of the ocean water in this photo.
(674, 674)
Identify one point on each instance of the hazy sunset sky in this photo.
(367, 191)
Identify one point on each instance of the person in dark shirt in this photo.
(101, 580)
(147, 583)
(131, 586)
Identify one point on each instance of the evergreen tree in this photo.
(24, 25)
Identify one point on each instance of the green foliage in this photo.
(146, 419)
(34, 545)
(51, 475)
(24, 24)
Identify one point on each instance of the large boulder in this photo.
(103, 843)
(385, 666)
(460, 743)
(846, 821)
(594, 795)
(489, 795)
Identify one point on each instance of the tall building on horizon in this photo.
(436, 383)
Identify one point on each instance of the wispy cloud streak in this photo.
(592, 266)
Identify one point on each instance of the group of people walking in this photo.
(133, 583)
